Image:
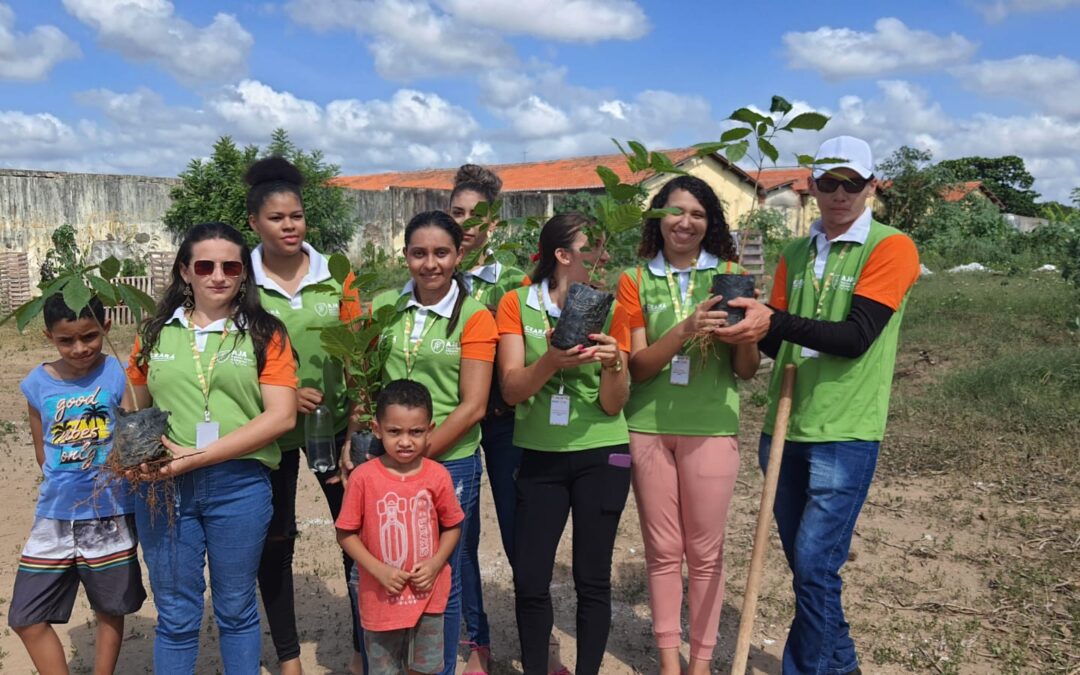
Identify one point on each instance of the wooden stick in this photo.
(761, 533)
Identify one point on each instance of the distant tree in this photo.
(1006, 177)
(214, 190)
(63, 255)
(912, 187)
(1075, 197)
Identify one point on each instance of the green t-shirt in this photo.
(590, 427)
(437, 363)
(835, 398)
(235, 393)
(309, 308)
(709, 404)
(491, 282)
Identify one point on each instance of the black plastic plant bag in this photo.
(732, 286)
(364, 445)
(137, 436)
(583, 314)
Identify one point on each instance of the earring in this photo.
(240, 293)
(189, 303)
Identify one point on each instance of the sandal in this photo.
(562, 669)
(485, 654)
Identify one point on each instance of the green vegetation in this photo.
(214, 190)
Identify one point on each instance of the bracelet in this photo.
(617, 368)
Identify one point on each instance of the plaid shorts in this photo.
(100, 553)
(420, 648)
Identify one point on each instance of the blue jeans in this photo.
(503, 459)
(464, 586)
(821, 490)
(220, 515)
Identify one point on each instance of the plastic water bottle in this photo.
(319, 440)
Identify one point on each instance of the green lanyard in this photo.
(820, 289)
(547, 327)
(412, 347)
(676, 297)
(204, 378)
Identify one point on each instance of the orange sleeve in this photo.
(351, 308)
(508, 316)
(136, 374)
(479, 337)
(627, 296)
(620, 327)
(890, 271)
(526, 281)
(778, 298)
(280, 366)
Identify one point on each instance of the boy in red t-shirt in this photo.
(400, 521)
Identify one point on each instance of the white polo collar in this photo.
(857, 233)
(705, 261)
(180, 316)
(318, 271)
(489, 273)
(444, 307)
(532, 300)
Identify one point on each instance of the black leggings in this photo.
(275, 567)
(549, 486)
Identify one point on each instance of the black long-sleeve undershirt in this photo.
(849, 338)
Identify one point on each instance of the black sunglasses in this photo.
(230, 268)
(852, 186)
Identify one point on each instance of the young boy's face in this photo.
(78, 342)
(404, 432)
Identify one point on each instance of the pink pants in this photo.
(683, 486)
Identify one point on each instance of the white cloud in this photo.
(150, 31)
(563, 20)
(255, 109)
(998, 10)
(838, 53)
(30, 56)
(536, 118)
(1054, 83)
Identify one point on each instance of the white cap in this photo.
(854, 151)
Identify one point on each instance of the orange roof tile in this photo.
(770, 179)
(576, 173)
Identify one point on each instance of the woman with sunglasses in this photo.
(570, 426)
(488, 280)
(683, 413)
(223, 368)
(295, 285)
(443, 338)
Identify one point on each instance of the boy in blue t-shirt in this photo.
(83, 530)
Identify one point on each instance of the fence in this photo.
(14, 280)
(121, 313)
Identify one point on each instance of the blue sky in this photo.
(142, 86)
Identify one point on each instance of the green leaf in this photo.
(810, 121)
(732, 135)
(747, 115)
(828, 160)
(762, 128)
(660, 213)
(768, 149)
(780, 104)
(338, 341)
(804, 160)
(710, 148)
(340, 267)
(610, 178)
(105, 291)
(661, 163)
(26, 312)
(737, 151)
(137, 301)
(640, 153)
(505, 257)
(109, 267)
(77, 295)
(624, 192)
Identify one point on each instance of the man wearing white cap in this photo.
(835, 310)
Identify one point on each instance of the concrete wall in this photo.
(119, 215)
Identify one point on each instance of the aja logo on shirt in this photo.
(846, 283)
(438, 346)
(241, 359)
(327, 308)
(534, 332)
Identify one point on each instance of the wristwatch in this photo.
(617, 368)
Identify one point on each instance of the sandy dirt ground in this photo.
(900, 584)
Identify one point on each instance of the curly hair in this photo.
(478, 179)
(718, 239)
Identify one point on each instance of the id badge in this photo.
(808, 353)
(680, 370)
(560, 410)
(205, 434)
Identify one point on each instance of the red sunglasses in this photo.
(230, 268)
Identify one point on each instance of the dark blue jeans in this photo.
(502, 458)
(220, 516)
(465, 474)
(821, 490)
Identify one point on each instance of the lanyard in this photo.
(412, 347)
(823, 289)
(204, 377)
(547, 328)
(676, 296)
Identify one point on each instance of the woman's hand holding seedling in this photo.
(557, 359)
(307, 399)
(704, 319)
(606, 350)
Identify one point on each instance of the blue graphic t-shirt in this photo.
(77, 423)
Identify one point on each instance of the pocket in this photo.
(616, 482)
